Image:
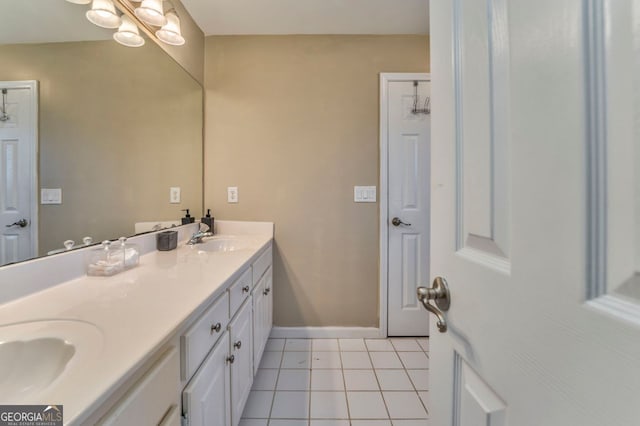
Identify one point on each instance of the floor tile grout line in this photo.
(344, 382)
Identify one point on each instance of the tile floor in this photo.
(341, 382)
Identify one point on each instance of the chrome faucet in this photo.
(198, 236)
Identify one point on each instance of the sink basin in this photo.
(33, 355)
(223, 244)
(29, 365)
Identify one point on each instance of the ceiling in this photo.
(227, 17)
(40, 21)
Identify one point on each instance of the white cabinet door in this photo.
(242, 360)
(206, 399)
(259, 298)
(268, 324)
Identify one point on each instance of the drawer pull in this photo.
(237, 344)
(231, 359)
(217, 327)
(246, 289)
(267, 291)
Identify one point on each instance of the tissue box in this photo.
(167, 240)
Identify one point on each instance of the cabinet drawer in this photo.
(261, 264)
(149, 400)
(239, 291)
(200, 337)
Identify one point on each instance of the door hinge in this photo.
(184, 420)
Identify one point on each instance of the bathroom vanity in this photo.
(176, 340)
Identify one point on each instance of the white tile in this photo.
(420, 379)
(271, 360)
(352, 345)
(283, 422)
(323, 345)
(265, 379)
(406, 345)
(327, 380)
(329, 422)
(298, 345)
(370, 423)
(329, 405)
(414, 360)
(394, 380)
(355, 360)
(274, 345)
(294, 380)
(424, 343)
(360, 380)
(421, 422)
(290, 405)
(258, 405)
(366, 405)
(326, 360)
(296, 360)
(404, 405)
(379, 345)
(387, 359)
(253, 422)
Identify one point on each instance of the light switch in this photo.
(174, 195)
(50, 195)
(232, 194)
(364, 194)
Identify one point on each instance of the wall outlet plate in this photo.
(232, 194)
(174, 195)
(50, 195)
(364, 194)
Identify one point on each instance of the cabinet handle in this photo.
(237, 344)
(217, 327)
(231, 359)
(267, 291)
(245, 289)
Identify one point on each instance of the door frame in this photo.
(385, 79)
(33, 105)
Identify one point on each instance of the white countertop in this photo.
(136, 312)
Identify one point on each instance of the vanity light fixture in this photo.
(151, 12)
(128, 33)
(148, 16)
(170, 33)
(103, 14)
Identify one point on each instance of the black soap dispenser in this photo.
(187, 217)
(208, 220)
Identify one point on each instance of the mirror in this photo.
(116, 128)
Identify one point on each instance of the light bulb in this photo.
(128, 33)
(170, 33)
(103, 14)
(151, 12)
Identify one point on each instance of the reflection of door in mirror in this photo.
(18, 185)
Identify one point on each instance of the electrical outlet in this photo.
(232, 194)
(174, 195)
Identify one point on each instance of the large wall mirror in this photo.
(114, 129)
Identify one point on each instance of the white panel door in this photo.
(206, 401)
(18, 181)
(533, 104)
(408, 202)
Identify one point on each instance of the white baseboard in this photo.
(326, 332)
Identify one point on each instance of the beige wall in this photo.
(293, 122)
(118, 127)
(190, 55)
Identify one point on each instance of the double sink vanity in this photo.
(176, 340)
